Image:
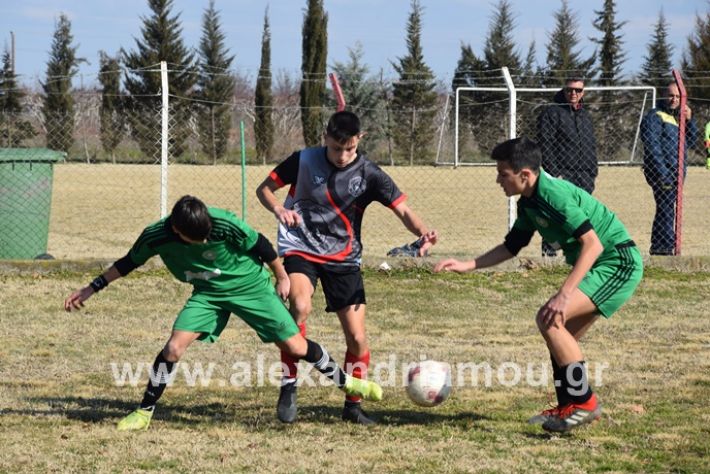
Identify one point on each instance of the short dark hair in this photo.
(342, 126)
(519, 153)
(191, 218)
(569, 79)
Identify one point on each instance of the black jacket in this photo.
(569, 148)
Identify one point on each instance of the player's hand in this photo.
(553, 313)
(453, 265)
(283, 288)
(426, 241)
(688, 112)
(77, 298)
(287, 217)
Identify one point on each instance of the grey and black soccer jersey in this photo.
(222, 264)
(561, 212)
(331, 202)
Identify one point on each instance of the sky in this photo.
(378, 25)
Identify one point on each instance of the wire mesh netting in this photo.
(111, 184)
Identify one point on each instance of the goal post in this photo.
(681, 161)
(485, 116)
(636, 100)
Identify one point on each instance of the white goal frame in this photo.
(512, 119)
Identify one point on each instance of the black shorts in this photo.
(342, 285)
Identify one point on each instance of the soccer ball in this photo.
(429, 383)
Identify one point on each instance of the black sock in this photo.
(321, 360)
(560, 389)
(159, 377)
(574, 381)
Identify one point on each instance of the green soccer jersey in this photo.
(220, 265)
(561, 212)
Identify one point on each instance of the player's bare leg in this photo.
(357, 358)
(300, 307)
(300, 348)
(160, 375)
(580, 405)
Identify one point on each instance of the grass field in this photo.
(59, 401)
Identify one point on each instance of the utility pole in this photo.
(12, 52)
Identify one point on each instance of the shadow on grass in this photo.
(96, 410)
(332, 414)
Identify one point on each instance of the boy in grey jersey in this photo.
(319, 237)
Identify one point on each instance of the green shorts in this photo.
(263, 311)
(613, 278)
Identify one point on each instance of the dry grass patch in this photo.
(60, 403)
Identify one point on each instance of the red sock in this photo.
(357, 367)
(289, 365)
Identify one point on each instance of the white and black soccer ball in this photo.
(429, 383)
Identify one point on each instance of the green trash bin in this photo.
(25, 201)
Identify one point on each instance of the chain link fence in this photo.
(114, 181)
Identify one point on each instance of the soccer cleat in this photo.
(353, 412)
(544, 415)
(573, 416)
(138, 420)
(362, 388)
(286, 408)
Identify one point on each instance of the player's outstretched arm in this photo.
(77, 298)
(493, 257)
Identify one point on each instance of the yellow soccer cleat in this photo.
(138, 420)
(363, 388)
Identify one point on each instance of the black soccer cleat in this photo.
(286, 408)
(353, 413)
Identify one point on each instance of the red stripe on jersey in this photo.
(276, 179)
(401, 198)
(338, 257)
(315, 258)
(348, 226)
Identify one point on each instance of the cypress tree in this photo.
(313, 64)
(696, 60)
(611, 56)
(361, 91)
(469, 72)
(499, 49)
(111, 112)
(58, 103)
(656, 68)
(160, 41)
(264, 99)
(563, 60)
(413, 95)
(13, 130)
(215, 87)
(530, 74)
(613, 129)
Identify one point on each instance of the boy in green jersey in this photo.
(606, 269)
(223, 258)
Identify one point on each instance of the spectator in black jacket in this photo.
(566, 136)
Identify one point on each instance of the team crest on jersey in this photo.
(356, 186)
(318, 180)
(209, 255)
(542, 222)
